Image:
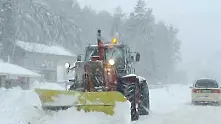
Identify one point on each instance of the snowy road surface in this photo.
(170, 105)
(173, 106)
(188, 115)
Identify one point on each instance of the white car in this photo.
(206, 91)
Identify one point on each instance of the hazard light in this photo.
(114, 40)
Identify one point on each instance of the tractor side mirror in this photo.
(137, 57)
(79, 58)
(67, 65)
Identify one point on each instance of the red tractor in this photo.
(109, 67)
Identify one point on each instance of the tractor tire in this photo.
(144, 104)
(129, 90)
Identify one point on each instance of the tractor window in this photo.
(116, 53)
(91, 52)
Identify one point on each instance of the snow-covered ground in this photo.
(169, 105)
(172, 105)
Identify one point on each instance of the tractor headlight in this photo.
(111, 62)
(67, 65)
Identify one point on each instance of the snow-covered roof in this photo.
(205, 78)
(45, 49)
(15, 70)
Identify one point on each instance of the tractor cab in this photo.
(115, 55)
(106, 60)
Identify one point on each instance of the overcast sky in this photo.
(199, 21)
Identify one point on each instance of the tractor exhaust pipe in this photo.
(100, 45)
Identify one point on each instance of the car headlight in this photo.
(111, 62)
(67, 65)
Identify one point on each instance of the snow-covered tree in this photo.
(35, 22)
(116, 28)
(66, 23)
(138, 34)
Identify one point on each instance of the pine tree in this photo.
(116, 28)
(64, 22)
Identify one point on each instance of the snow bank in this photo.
(71, 116)
(47, 85)
(25, 107)
(18, 107)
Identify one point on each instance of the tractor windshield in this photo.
(117, 54)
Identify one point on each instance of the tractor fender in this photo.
(131, 78)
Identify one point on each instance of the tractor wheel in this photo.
(144, 103)
(129, 90)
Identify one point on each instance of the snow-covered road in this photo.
(170, 105)
(187, 115)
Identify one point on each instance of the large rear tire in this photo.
(129, 90)
(144, 104)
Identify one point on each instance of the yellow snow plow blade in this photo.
(87, 101)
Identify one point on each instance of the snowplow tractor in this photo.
(104, 80)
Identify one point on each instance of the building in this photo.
(43, 59)
(13, 75)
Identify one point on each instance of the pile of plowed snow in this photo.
(71, 116)
(46, 85)
(17, 105)
(24, 107)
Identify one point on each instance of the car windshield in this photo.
(206, 84)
